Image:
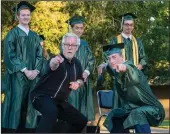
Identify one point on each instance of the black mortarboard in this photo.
(23, 5)
(113, 48)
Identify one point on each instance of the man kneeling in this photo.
(64, 73)
(135, 106)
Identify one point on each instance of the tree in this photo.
(102, 23)
(50, 21)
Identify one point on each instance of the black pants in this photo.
(52, 110)
(118, 125)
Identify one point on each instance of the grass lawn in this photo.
(165, 124)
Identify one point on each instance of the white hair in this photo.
(71, 35)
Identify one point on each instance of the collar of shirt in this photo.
(125, 36)
(26, 30)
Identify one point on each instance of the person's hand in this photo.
(74, 85)
(57, 59)
(100, 68)
(139, 66)
(54, 63)
(85, 75)
(29, 74)
(121, 68)
(34, 74)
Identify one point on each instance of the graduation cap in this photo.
(127, 16)
(113, 48)
(23, 5)
(42, 38)
(75, 20)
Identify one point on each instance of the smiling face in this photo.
(78, 29)
(24, 16)
(115, 59)
(70, 47)
(128, 26)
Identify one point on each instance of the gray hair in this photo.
(71, 35)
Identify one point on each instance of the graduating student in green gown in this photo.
(135, 106)
(82, 99)
(134, 49)
(23, 61)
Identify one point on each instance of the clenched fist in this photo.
(55, 62)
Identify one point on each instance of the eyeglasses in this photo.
(128, 25)
(68, 45)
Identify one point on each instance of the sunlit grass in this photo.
(165, 124)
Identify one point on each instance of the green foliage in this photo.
(102, 24)
(49, 21)
(6, 25)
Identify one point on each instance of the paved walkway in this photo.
(153, 129)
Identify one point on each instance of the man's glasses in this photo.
(68, 45)
(128, 25)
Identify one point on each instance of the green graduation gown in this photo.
(20, 50)
(134, 98)
(128, 50)
(82, 98)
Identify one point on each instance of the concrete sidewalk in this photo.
(153, 130)
(104, 130)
